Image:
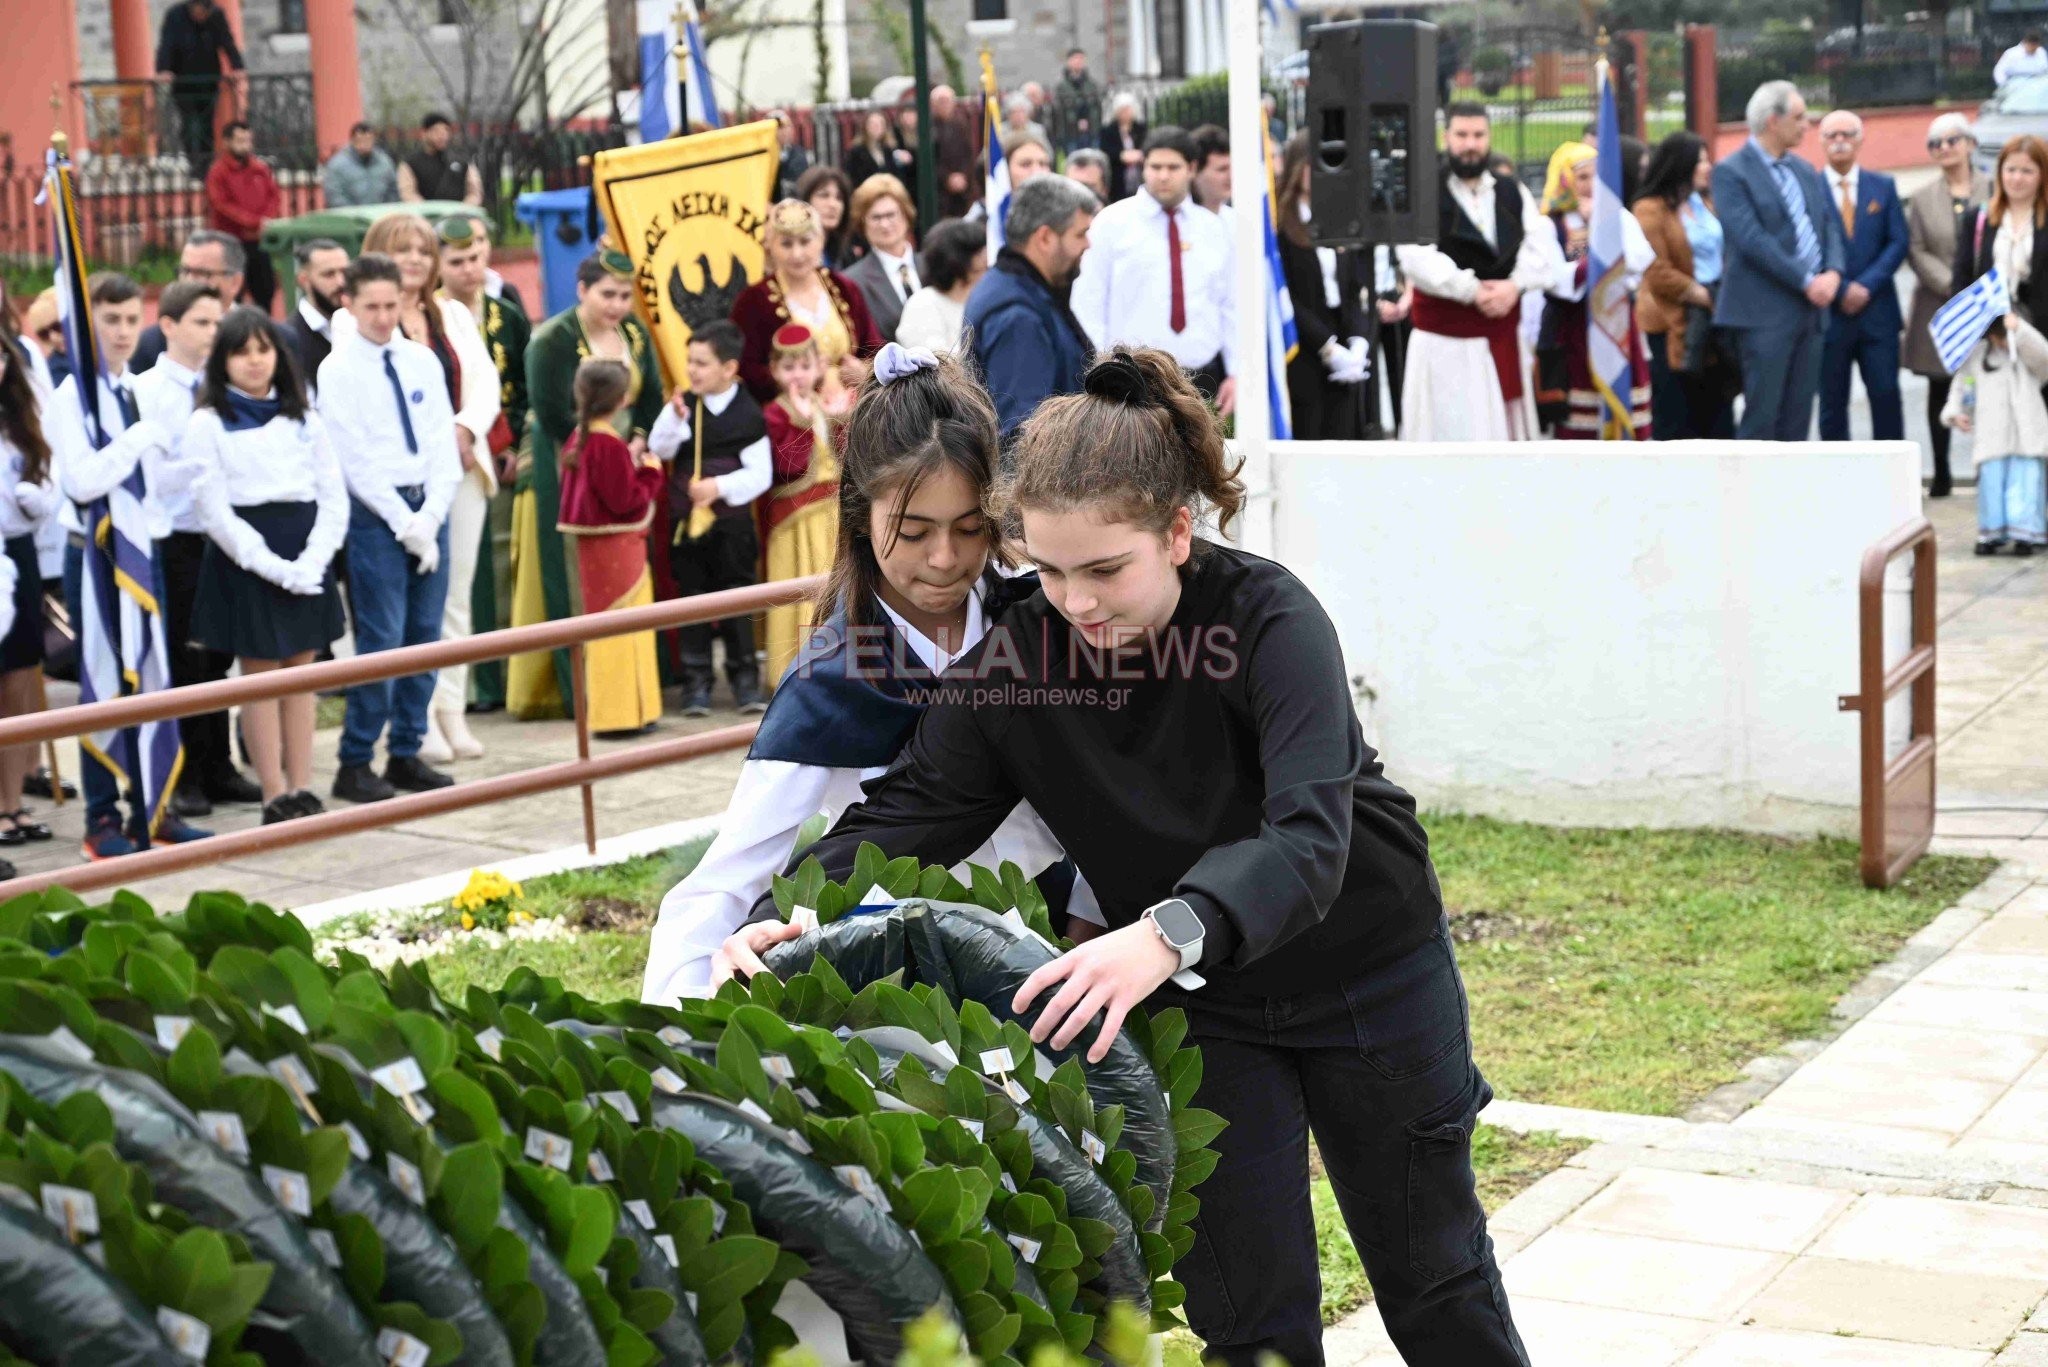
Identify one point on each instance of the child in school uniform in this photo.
(717, 440)
(800, 516)
(607, 503)
(188, 313)
(384, 402)
(271, 497)
(87, 472)
(1997, 397)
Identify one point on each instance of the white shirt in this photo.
(1432, 272)
(84, 473)
(770, 803)
(280, 462)
(165, 393)
(757, 466)
(893, 267)
(2017, 61)
(933, 320)
(1850, 179)
(482, 398)
(1125, 290)
(321, 323)
(23, 507)
(361, 415)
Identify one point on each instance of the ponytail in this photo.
(1139, 443)
(599, 390)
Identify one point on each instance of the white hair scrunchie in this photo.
(893, 362)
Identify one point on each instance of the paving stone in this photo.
(1546, 1201)
(1976, 1055)
(1949, 928)
(1966, 1007)
(1771, 1217)
(1755, 1347)
(2006, 933)
(2028, 1350)
(1558, 1332)
(1976, 1239)
(1835, 1296)
(1846, 1135)
(1883, 1095)
(1628, 1272)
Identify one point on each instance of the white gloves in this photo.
(309, 581)
(421, 537)
(429, 559)
(34, 500)
(1348, 364)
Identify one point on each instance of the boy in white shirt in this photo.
(385, 403)
(86, 473)
(189, 313)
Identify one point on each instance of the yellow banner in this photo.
(690, 212)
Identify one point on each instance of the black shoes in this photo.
(230, 786)
(411, 773)
(698, 701)
(1988, 547)
(37, 784)
(361, 783)
(287, 806)
(747, 698)
(2022, 549)
(190, 801)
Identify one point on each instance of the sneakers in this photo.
(435, 747)
(749, 700)
(455, 730)
(361, 783)
(176, 831)
(307, 804)
(411, 773)
(104, 839)
(230, 786)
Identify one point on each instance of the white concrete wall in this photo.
(1608, 634)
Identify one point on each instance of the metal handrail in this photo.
(1885, 861)
(582, 772)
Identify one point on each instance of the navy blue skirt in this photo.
(22, 647)
(251, 618)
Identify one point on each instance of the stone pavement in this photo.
(1886, 1202)
(454, 842)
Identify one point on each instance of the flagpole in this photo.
(682, 56)
(927, 143)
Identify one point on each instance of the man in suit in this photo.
(1863, 327)
(322, 263)
(1784, 266)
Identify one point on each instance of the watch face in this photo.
(1179, 921)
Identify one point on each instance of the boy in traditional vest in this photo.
(717, 442)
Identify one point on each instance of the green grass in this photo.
(1637, 970)
(26, 277)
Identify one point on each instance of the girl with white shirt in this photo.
(27, 498)
(911, 590)
(271, 496)
(448, 329)
(955, 257)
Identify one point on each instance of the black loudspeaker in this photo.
(1371, 124)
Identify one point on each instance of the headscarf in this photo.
(1558, 195)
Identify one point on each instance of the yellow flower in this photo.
(468, 921)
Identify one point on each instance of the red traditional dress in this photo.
(1583, 411)
(800, 516)
(843, 328)
(608, 499)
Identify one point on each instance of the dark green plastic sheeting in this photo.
(152, 1128)
(863, 1264)
(58, 1309)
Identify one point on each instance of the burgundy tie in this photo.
(1178, 318)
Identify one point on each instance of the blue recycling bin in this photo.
(561, 233)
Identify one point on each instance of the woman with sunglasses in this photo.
(1934, 215)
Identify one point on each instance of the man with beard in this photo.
(1027, 342)
(1467, 378)
(322, 262)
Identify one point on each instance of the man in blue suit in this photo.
(1784, 266)
(1863, 329)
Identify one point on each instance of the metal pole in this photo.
(682, 54)
(927, 167)
(581, 680)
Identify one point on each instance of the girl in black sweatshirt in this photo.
(1178, 713)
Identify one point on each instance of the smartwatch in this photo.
(1176, 923)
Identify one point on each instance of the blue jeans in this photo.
(393, 605)
(102, 789)
(1780, 372)
(1852, 343)
(2012, 499)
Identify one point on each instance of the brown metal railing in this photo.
(571, 633)
(1898, 790)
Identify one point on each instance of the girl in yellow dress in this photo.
(800, 516)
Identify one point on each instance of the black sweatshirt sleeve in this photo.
(1255, 895)
(945, 795)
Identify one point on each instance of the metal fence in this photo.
(1875, 68)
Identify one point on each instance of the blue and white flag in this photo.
(996, 196)
(121, 639)
(1283, 339)
(1608, 349)
(1961, 323)
(659, 117)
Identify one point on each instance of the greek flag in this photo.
(121, 643)
(658, 114)
(1961, 323)
(1282, 337)
(996, 198)
(1607, 297)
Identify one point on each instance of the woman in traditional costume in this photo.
(608, 497)
(1583, 409)
(601, 324)
(800, 516)
(799, 290)
(915, 585)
